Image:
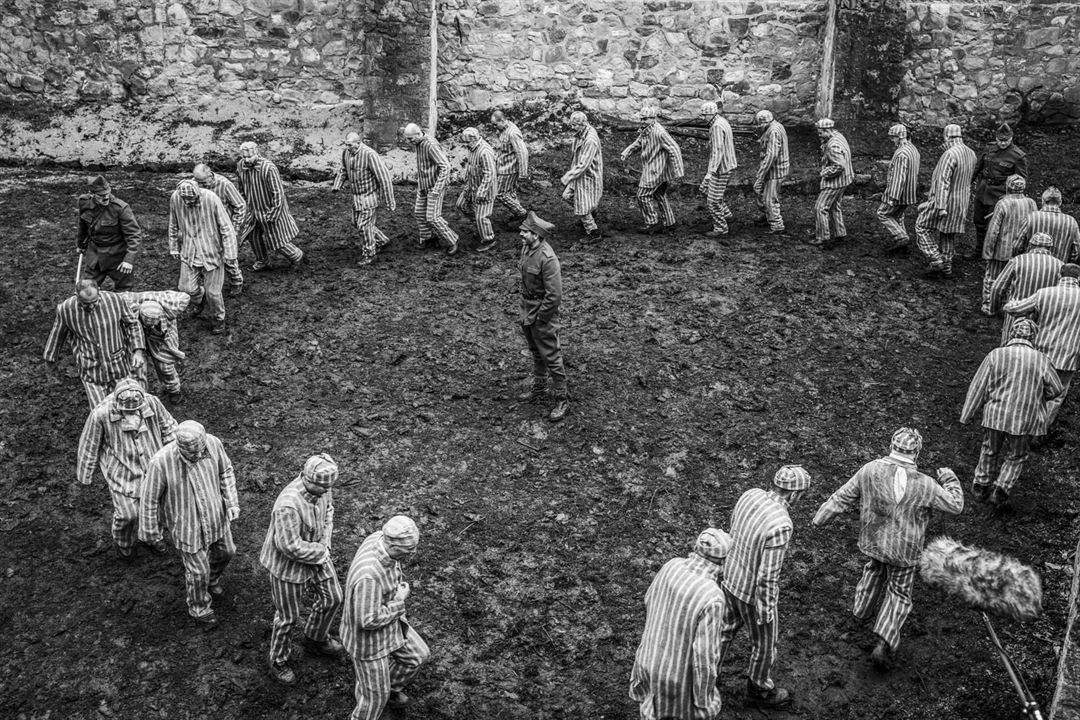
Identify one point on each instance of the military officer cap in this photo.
(898, 130)
(535, 224)
(99, 185)
(953, 131)
(825, 124)
(1003, 132)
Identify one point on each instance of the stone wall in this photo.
(977, 60)
(148, 80)
(614, 55)
(112, 82)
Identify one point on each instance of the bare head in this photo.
(203, 174)
(412, 133)
(353, 142)
(763, 118)
(498, 119)
(88, 293)
(578, 120)
(249, 153)
(1051, 196)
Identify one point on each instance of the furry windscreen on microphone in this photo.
(984, 579)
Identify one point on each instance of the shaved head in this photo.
(202, 172)
(352, 138)
(412, 130)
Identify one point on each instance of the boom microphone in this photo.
(986, 580)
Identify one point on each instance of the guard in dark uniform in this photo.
(541, 295)
(995, 165)
(108, 236)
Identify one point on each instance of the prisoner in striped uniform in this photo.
(190, 489)
(297, 554)
(835, 177)
(1057, 311)
(775, 165)
(158, 312)
(718, 169)
(945, 211)
(584, 181)
(677, 664)
(106, 338)
(234, 204)
(1014, 385)
(269, 223)
(1022, 276)
(512, 163)
(1010, 216)
(202, 238)
(385, 649)
(432, 176)
(369, 181)
(1051, 220)
(119, 437)
(896, 503)
(661, 164)
(477, 196)
(901, 185)
(760, 531)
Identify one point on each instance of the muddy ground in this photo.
(696, 369)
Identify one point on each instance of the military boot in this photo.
(534, 394)
(562, 405)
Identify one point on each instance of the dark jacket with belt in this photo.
(541, 284)
(109, 234)
(994, 168)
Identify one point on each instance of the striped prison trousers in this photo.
(288, 600)
(762, 639)
(715, 202)
(376, 679)
(885, 590)
(203, 569)
(654, 205)
(427, 210)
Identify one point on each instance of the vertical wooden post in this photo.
(433, 113)
(827, 76)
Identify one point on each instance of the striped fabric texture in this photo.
(775, 160)
(102, 337)
(1006, 226)
(264, 192)
(677, 663)
(202, 232)
(1012, 386)
(586, 173)
(288, 599)
(229, 196)
(297, 544)
(1057, 311)
(480, 172)
(763, 634)
(373, 623)
(721, 147)
(836, 169)
(432, 166)
(891, 530)
(950, 187)
(885, 591)
(1021, 278)
(162, 341)
(661, 158)
(192, 497)
(511, 152)
(902, 180)
(760, 531)
(202, 570)
(122, 455)
(367, 177)
(377, 678)
(1061, 227)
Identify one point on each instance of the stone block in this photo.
(1055, 50)
(965, 92)
(177, 15)
(1037, 37)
